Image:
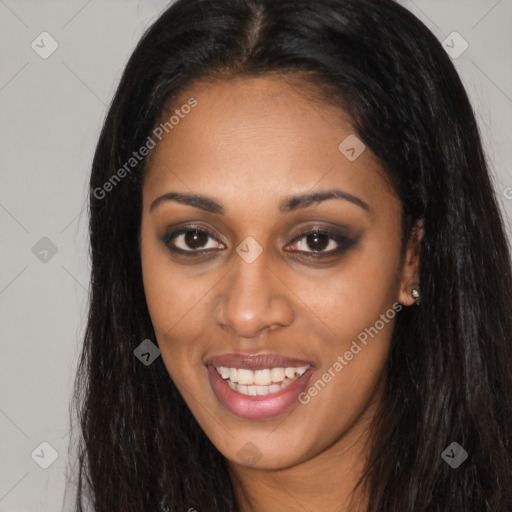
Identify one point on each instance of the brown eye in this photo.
(191, 240)
(195, 239)
(318, 242)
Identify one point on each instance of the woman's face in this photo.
(271, 278)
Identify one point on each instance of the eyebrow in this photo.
(289, 203)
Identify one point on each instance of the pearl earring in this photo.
(416, 294)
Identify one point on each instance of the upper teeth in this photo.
(262, 377)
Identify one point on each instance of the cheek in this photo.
(169, 294)
(358, 305)
(159, 285)
(353, 363)
(177, 304)
(352, 296)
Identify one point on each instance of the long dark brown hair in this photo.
(449, 371)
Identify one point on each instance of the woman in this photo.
(291, 201)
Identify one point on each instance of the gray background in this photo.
(51, 113)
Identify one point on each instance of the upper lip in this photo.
(256, 361)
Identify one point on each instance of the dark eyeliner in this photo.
(169, 236)
(344, 242)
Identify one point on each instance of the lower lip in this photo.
(261, 406)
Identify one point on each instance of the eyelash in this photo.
(344, 243)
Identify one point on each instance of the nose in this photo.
(252, 299)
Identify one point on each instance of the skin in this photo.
(249, 143)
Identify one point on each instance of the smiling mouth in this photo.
(265, 381)
(258, 386)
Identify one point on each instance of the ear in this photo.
(409, 275)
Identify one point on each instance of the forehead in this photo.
(265, 137)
